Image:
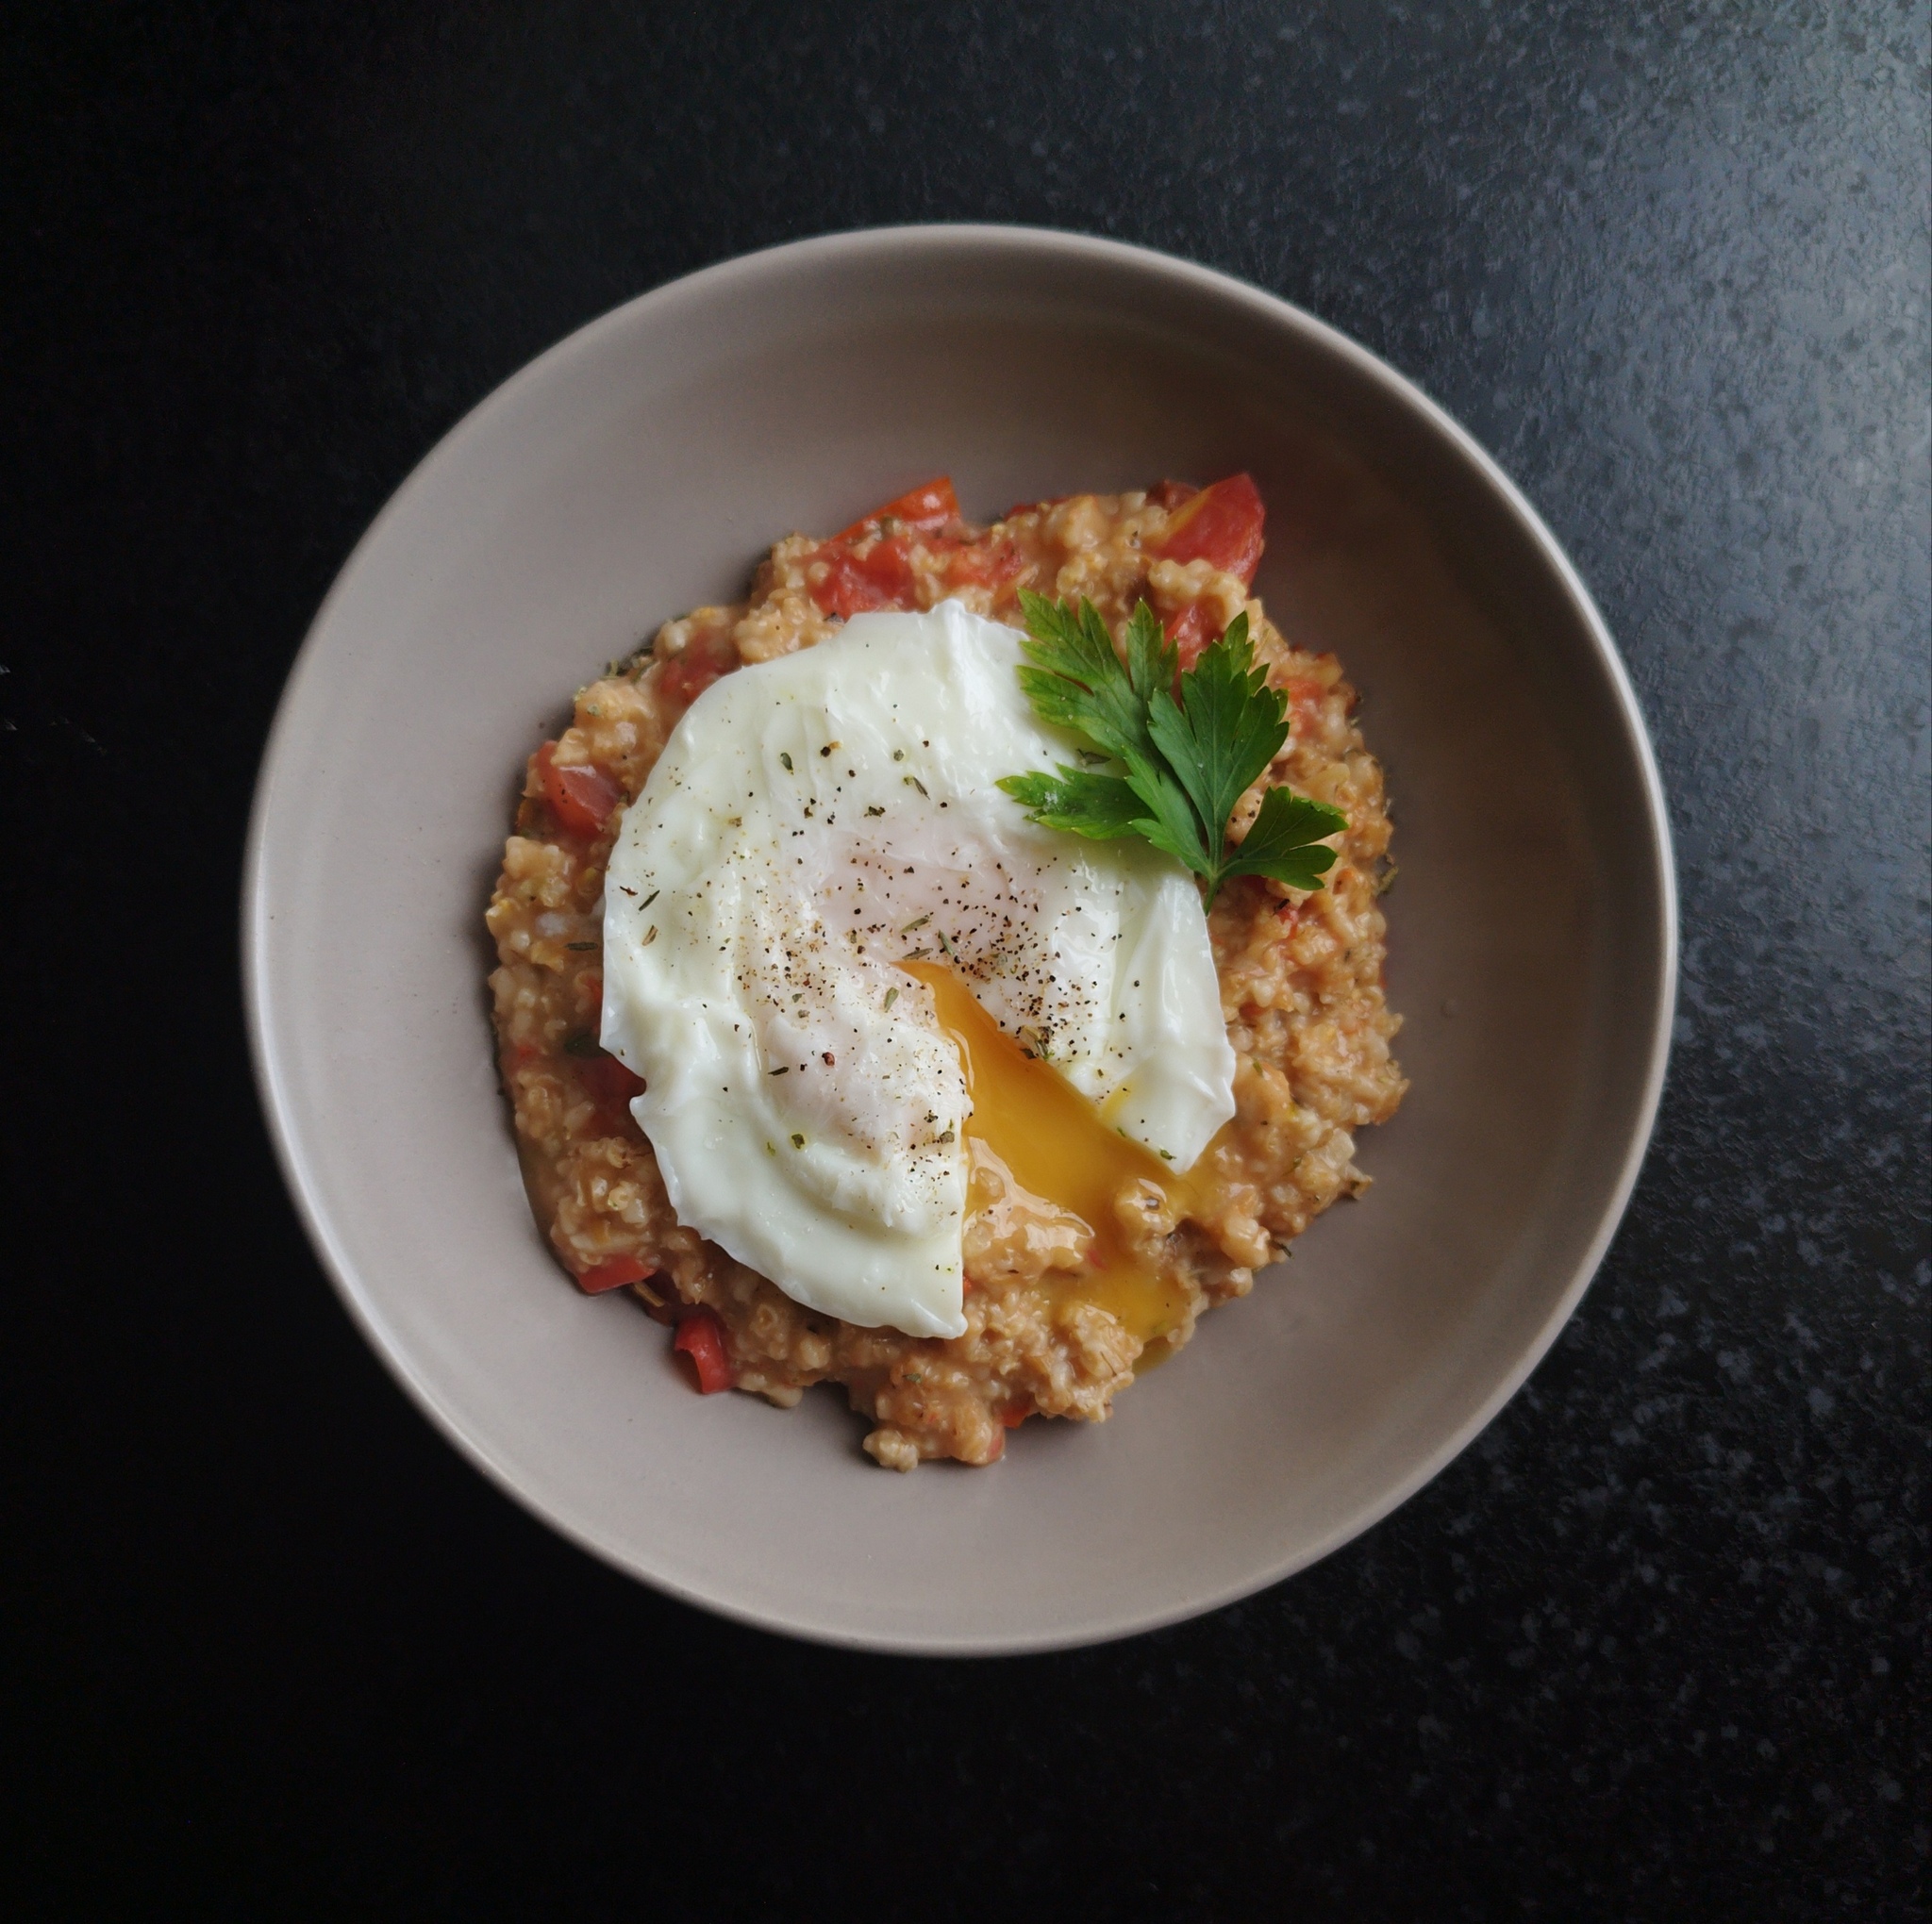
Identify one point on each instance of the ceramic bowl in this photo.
(642, 466)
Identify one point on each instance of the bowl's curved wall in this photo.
(641, 468)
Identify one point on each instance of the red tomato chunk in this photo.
(984, 564)
(1220, 526)
(855, 585)
(613, 1272)
(1190, 631)
(927, 507)
(581, 799)
(610, 1086)
(684, 677)
(610, 1081)
(701, 1337)
(881, 577)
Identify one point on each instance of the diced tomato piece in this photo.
(685, 676)
(1190, 631)
(927, 507)
(857, 584)
(1016, 1413)
(846, 590)
(613, 1272)
(701, 1337)
(984, 564)
(1028, 506)
(610, 1086)
(1220, 526)
(888, 565)
(580, 798)
(609, 1082)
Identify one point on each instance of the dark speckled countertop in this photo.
(1655, 1647)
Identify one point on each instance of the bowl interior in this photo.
(643, 467)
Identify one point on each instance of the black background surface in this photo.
(1655, 1647)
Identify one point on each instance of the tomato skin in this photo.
(853, 584)
(1190, 631)
(927, 507)
(887, 566)
(610, 1086)
(613, 1272)
(985, 565)
(1222, 525)
(701, 1337)
(580, 798)
(882, 577)
(609, 1081)
(846, 590)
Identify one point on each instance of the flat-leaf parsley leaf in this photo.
(1184, 764)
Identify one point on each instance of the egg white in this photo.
(812, 821)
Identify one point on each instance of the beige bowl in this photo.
(641, 467)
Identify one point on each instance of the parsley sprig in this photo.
(1185, 763)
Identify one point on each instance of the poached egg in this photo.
(833, 949)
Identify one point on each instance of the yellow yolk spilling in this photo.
(1057, 1145)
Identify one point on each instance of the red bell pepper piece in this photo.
(580, 798)
(1220, 526)
(613, 1272)
(701, 1337)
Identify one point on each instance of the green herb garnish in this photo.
(1187, 763)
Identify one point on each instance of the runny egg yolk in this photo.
(1057, 1145)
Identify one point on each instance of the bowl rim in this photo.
(937, 239)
